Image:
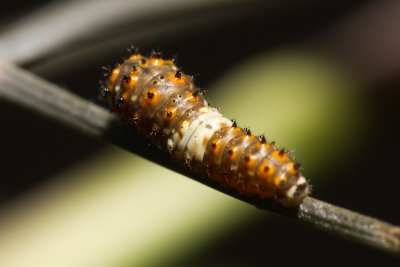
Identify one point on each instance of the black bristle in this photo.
(106, 70)
(103, 91)
(150, 95)
(174, 58)
(178, 74)
(156, 54)
(126, 78)
(248, 132)
(120, 101)
(297, 166)
(197, 92)
(133, 50)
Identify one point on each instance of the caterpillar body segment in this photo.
(164, 104)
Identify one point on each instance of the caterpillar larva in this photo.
(164, 104)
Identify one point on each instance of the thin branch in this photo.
(61, 24)
(25, 89)
(349, 224)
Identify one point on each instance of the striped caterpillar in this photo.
(166, 107)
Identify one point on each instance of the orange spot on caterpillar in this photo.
(170, 114)
(177, 78)
(280, 182)
(265, 170)
(249, 161)
(280, 156)
(151, 97)
(293, 168)
(135, 57)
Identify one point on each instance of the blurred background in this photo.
(321, 79)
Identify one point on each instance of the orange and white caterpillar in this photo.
(164, 104)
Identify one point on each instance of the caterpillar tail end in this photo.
(294, 195)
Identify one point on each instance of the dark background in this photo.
(33, 148)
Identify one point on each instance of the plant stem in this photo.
(25, 89)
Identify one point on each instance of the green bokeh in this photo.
(302, 101)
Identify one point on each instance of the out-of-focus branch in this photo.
(28, 90)
(25, 89)
(62, 23)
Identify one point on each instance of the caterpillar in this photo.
(153, 94)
